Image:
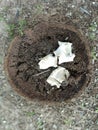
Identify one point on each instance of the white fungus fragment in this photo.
(63, 58)
(53, 82)
(48, 61)
(58, 76)
(64, 52)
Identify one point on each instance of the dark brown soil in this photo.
(25, 53)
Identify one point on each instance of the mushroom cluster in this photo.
(61, 55)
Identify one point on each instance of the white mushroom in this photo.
(48, 61)
(63, 58)
(58, 76)
(53, 82)
(64, 52)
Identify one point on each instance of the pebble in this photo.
(73, 6)
(21, 104)
(4, 121)
(62, 111)
(55, 126)
(93, 61)
(93, 3)
(69, 14)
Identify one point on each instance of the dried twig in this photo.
(84, 11)
(41, 72)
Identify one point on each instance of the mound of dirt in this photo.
(25, 52)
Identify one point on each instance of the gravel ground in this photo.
(18, 113)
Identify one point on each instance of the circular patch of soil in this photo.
(25, 52)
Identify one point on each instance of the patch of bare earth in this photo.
(80, 113)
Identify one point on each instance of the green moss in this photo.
(2, 18)
(40, 124)
(17, 28)
(21, 27)
(11, 30)
(67, 122)
(92, 36)
(93, 27)
(0, 59)
(93, 53)
(30, 113)
(92, 30)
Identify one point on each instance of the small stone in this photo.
(4, 121)
(73, 6)
(21, 104)
(12, 95)
(93, 3)
(55, 126)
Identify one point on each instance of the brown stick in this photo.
(41, 73)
